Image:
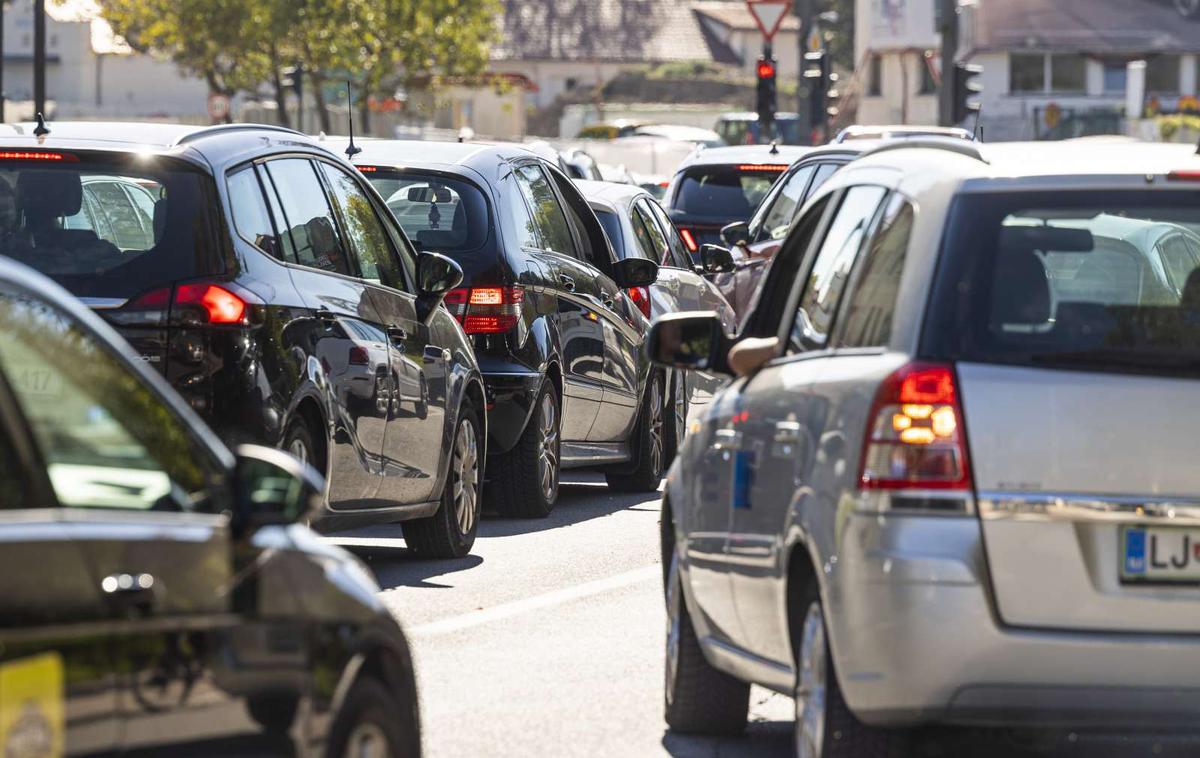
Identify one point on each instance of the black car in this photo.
(546, 302)
(158, 595)
(264, 278)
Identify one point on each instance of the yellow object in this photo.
(31, 707)
(918, 435)
(944, 422)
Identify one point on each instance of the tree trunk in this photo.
(281, 111)
(319, 101)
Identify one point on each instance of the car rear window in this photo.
(441, 213)
(723, 191)
(1093, 280)
(109, 227)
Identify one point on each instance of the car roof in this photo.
(716, 156)
(402, 153)
(753, 116)
(609, 192)
(1140, 233)
(862, 132)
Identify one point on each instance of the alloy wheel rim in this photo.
(656, 428)
(367, 741)
(548, 448)
(812, 687)
(298, 449)
(674, 626)
(679, 397)
(466, 477)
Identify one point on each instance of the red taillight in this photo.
(486, 310)
(915, 436)
(641, 298)
(218, 304)
(763, 167)
(367, 169)
(688, 239)
(1185, 175)
(37, 155)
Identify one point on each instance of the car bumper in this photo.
(510, 399)
(916, 639)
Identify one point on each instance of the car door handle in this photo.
(567, 282)
(396, 334)
(129, 591)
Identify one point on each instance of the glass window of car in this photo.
(548, 215)
(287, 248)
(777, 220)
(94, 420)
(1178, 259)
(441, 213)
(250, 215)
(872, 300)
(831, 268)
(364, 231)
(680, 257)
(724, 191)
(765, 315)
(650, 237)
(127, 225)
(824, 171)
(308, 217)
(612, 228)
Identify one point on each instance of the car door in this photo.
(414, 440)
(201, 627)
(574, 286)
(784, 440)
(347, 380)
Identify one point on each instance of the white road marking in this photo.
(545, 600)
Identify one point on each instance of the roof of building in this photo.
(1093, 26)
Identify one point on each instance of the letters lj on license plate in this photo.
(1160, 554)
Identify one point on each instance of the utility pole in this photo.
(2, 4)
(948, 12)
(804, 11)
(39, 57)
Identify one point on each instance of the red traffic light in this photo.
(766, 69)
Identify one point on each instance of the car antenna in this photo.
(351, 149)
(774, 147)
(41, 130)
(977, 132)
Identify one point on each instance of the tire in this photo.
(298, 441)
(648, 444)
(698, 699)
(524, 481)
(825, 727)
(675, 425)
(450, 532)
(372, 714)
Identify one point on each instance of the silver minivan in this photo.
(954, 480)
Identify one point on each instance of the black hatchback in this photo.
(264, 278)
(157, 595)
(549, 307)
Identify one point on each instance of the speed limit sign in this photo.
(218, 106)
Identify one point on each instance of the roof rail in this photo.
(859, 131)
(223, 128)
(949, 144)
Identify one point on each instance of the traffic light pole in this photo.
(766, 118)
(949, 17)
(804, 11)
(39, 56)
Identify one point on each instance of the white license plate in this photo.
(1160, 554)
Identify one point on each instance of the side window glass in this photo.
(287, 247)
(872, 301)
(519, 215)
(250, 215)
(831, 268)
(548, 215)
(95, 421)
(309, 219)
(128, 231)
(650, 237)
(1177, 260)
(680, 258)
(778, 218)
(824, 171)
(143, 201)
(364, 231)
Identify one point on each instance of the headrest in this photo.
(1020, 289)
(44, 195)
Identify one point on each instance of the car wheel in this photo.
(523, 483)
(825, 727)
(298, 441)
(698, 698)
(372, 724)
(648, 440)
(450, 532)
(676, 426)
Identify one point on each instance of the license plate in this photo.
(1160, 554)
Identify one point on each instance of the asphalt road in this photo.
(547, 641)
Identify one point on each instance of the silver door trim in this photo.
(1115, 509)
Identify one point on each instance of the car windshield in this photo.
(111, 227)
(439, 212)
(723, 191)
(1096, 280)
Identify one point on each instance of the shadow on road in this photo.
(578, 501)
(762, 739)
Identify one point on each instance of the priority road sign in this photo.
(768, 14)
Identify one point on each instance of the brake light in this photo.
(1185, 175)
(359, 356)
(367, 169)
(486, 310)
(37, 155)
(641, 298)
(688, 239)
(915, 436)
(218, 304)
(763, 167)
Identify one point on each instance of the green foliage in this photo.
(1169, 127)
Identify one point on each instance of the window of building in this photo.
(1068, 73)
(1162, 74)
(875, 76)
(1026, 72)
(928, 85)
(1114, 77)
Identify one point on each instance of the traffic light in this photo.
(766, 97)
(964, 89)
(822, 92)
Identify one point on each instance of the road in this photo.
(547, 641)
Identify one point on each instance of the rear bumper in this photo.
(916, 639)
(510, 399)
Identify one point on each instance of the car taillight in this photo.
(641, 298)
(216, 304)
(688, 239)
(915, 437)
(359, 356)
(486, 310)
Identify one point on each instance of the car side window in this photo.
(650, 237)
(364, 231)
(548, 215)
(1177, 259)
(770, 301)
(824, 171)
(827, 279)
(778, 218)
(308, 218)
(95, 421)
(872, 299)
(680, 257)
(251, 218)
(287, 248)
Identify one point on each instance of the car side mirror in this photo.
(271, 487)
(688, 341)
(635, 272)
(436, 275)
(715, 259)
(737, 233)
